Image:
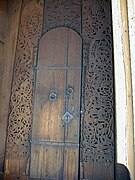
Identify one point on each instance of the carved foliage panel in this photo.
(21, 97)
(95, 17)
(98, 121)
(60, 13)
(98, 130)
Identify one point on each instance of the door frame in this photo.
(124, 74)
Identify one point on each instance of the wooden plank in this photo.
(74, 80)
(47, 162)
(15, 166)
(13, 16)
(3, 13)
(98, 171)
(71, 160)
(2, 39)
(50, 80)
(47, 122)
(15, 177)
(53, 48)
(1, 64)
(72, 128)
(15, 169)
(3, 4)
(71, 154)
(74, 49)
(29, 33)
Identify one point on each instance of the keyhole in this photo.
(67, 117)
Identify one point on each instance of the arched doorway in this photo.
(56, 117)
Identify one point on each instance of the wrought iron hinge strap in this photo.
(45, 143)
(57, 68)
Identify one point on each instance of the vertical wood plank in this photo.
(72, 134)
(15, 169)
(74, 49)
(53, 52)
(71, 160)
(98, 171)
(3, 12)
(11, 30)
(74, 80)
(47, 162)
(71, 154)
(19, 127)
(47, 123)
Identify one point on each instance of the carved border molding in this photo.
(20, 117)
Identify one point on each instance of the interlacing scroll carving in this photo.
(60, 13)
(98, 130)
(21, 97)
(95, 16)
(98, 121)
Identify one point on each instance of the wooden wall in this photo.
(9, 22)
(3, 6)
(2, 36)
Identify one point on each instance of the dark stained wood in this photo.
(98, 172)
(16, 165)
(52, 53)
(58, 67)
(71, 159)
(3, 4)
(46, 162)
(73, 129)
(47, 124)
(17, 145)
(9, 22)
(3, 13)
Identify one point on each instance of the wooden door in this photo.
(56, 117)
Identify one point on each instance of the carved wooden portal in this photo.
(91, 19)
(56, 119)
